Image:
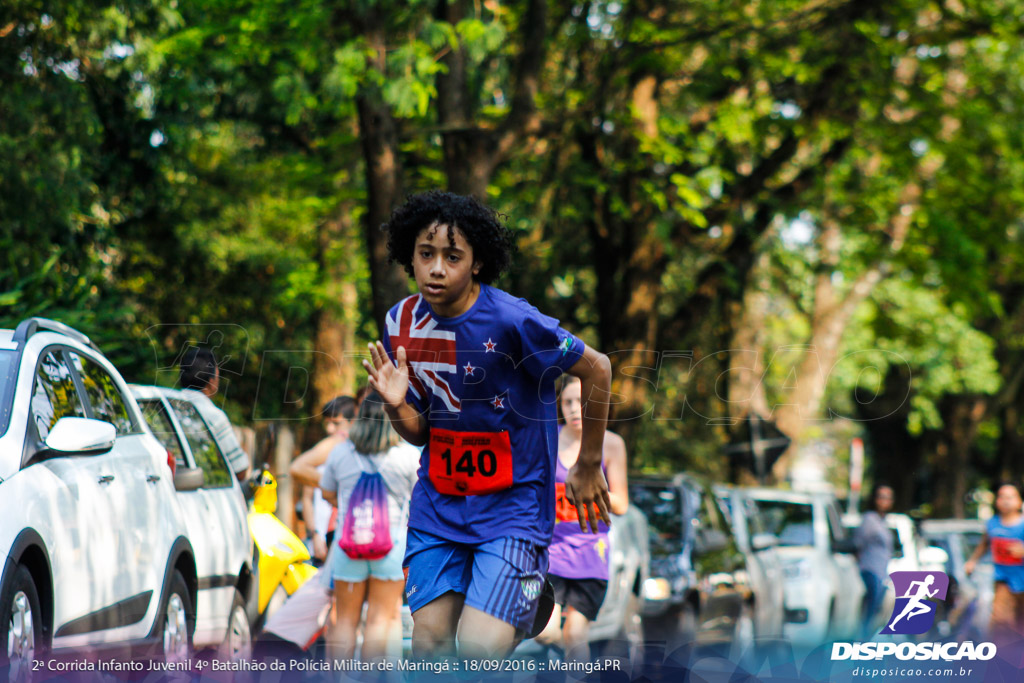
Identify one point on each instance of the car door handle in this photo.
(153, 478)
(106, 478)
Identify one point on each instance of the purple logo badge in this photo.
(914, 612)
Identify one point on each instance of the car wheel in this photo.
(21, 627)
(177, 621)
(237, 643)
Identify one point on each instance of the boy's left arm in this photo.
(585, 484)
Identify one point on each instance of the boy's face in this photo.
(444, 273)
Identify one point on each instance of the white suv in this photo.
(95, 542)
(822, 587)
(215, 514)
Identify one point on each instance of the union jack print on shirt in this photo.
(429, 351)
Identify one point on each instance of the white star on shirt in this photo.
(489, 345)
(498, 403)
(469, 368)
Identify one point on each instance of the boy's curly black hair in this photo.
(483, 227)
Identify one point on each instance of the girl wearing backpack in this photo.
(369, 478)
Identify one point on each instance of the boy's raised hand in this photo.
(387, 379)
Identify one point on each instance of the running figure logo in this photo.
(914, 612)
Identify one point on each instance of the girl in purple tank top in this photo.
(577, 560)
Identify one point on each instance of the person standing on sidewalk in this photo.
(873, 539)
(200, 374)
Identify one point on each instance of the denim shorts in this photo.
(387, 568)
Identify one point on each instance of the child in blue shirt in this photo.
(468, 372)
(1004, 534)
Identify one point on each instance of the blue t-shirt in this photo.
(1012, 574)
(490, 370)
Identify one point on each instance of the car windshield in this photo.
(664, 513)
(791, 523)
(7, 380)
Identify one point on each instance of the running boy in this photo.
(468, 371)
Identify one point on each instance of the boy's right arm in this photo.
(391, 381)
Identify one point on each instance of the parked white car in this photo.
(95, 543)
(763, 561)
(911, 552)
(215, 515)
(823, 588)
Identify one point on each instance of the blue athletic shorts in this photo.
(503, 577)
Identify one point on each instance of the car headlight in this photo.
(657, 589)
(800, 569)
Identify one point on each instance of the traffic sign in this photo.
(757, 446)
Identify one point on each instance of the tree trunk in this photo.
(745, 391)
(379, 136)
(471, 152)
(831, 316)
(468, 156)
(284, 451)
(961, 417)
(335, 367)
(895, 454)
(1011, 444)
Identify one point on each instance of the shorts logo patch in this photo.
(531, 588)
(412, 589)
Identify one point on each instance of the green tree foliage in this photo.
(172, 164)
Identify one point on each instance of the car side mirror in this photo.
(80, 436)
(188, 479)
(763, 541)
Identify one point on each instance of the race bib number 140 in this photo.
(469, 463)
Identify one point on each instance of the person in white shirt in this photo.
(200, 374)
